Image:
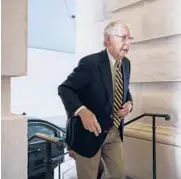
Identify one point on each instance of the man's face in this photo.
(118, 46)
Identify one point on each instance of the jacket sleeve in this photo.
(77, 80)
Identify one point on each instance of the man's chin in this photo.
(123, 53)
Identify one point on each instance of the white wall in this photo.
(88, 36)
(36, 94)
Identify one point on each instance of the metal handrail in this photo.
(153, 115)
(166, 116)
(48, 141)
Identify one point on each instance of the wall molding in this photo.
(155, 38)
(122, 5)
(164, 135)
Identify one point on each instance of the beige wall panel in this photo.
(14, 37)
(14, 150)
(151, 19)
(138, 158)
(156, 60)
(163, 98)
(113, 5)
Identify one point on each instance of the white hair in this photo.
(114, 28)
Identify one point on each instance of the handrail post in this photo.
(154, 147)
(48, 161)
(154, 115)
(59, 169)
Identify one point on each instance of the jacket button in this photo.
(111, 116)
(105, 131)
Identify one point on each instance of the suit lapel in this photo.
(106, 75)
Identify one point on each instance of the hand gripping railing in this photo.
(153, 115)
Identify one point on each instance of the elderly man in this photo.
(96, 97)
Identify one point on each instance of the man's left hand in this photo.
(125, 109)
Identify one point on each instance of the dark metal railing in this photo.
(59, 165)
(48, 157)
(153, 115)
(59, 143)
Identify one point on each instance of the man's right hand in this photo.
(89, 121)
(72, 154)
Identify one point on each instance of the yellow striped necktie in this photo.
(118, 94)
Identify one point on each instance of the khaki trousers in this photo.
(112, 154)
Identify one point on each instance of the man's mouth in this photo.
(125, 50)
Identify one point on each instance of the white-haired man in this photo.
(96, 97)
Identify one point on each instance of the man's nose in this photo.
(128, 41)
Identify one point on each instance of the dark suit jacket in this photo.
(90, 84)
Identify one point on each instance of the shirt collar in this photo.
(111, 58)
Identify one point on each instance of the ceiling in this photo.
(50, 25)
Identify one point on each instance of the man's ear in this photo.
(107, 40)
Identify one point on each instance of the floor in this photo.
(68, 170)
